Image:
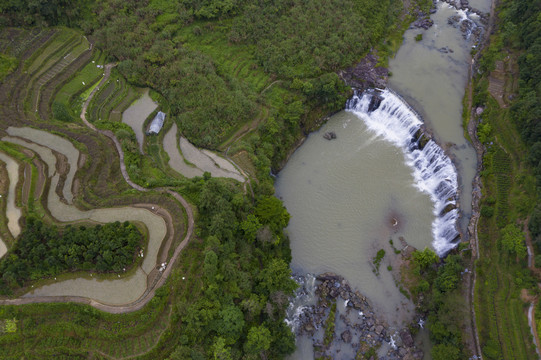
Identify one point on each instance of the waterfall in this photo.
(392, 119)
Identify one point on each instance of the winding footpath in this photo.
(160, 280)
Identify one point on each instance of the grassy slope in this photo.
(509, 189)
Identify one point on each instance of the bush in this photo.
(487, 211)
(61, 112)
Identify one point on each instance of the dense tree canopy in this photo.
(45, 250)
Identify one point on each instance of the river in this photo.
(348, 197)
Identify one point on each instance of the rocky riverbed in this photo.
(358, 331)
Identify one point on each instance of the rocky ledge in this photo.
(356, 329)
(366, 74)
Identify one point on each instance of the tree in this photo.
(258, 340)
(250, 226)
(270, 210)
(425, 258)
(513, 240)
(230, 324)
(277, 276)
(445, 352)
(210, 265)
(220, 351)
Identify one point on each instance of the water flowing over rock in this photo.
(433, 171)
(358, 327)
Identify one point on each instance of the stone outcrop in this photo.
(366, 74)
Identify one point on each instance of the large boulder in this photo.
(346, 336)
(406, 337)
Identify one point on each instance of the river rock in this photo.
(366, 74)
(466, 26)
(406, 337)
(379, 329)
(328, 276)
(329, 135)
(454, 20)
(375, 102)
(424, 24)
(446, 50)
(309, 328)
(346, 336)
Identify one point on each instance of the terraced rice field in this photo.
(136, 115)
(13, 213)
(82, 80)
(65, 172)
(191, 161)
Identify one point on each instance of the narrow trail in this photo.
(151, 288)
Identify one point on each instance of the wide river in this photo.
(344, 194)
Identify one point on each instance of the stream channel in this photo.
(348, 197)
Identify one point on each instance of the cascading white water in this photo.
(305, 296)
(433, 171)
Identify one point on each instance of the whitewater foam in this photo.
(434, 173)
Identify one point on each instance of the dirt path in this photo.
(161, 277)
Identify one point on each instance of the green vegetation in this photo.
(7, 65)
(396, 251)
(68, 96)
(330, 324)
(366, 352)
(45, 251)
(418, 37)
(509, 192)
(436, 289)
(376, 260)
